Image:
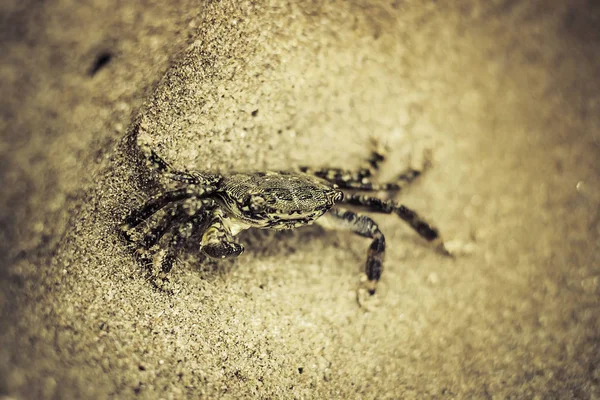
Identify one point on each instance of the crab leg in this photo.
(360, 180)
(180, 214)
(188, 229)
(362, 225)
(356, 180)
(158, 164)
(416, 222)
(154, 204)
(168, 221)
(183, 226)
(344, 180)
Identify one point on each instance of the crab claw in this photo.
(223, 249)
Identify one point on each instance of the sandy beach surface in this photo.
(505, 94)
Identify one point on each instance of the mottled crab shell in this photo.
(277, 200)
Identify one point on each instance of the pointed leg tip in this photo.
(441, 248)
(365, 295)
(371, 287)
(444, 251)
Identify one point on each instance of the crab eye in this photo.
(339, 196)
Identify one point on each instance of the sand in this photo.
(506, 96)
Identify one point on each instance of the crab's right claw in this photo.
(220, 250)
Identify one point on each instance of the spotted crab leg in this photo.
(188, 229)
(167, 222)
(352, 181)
(182, 226)
(158, 164)
(414, 220)
(338, 218)
(156, 203)
(181, 214)
(361, 179)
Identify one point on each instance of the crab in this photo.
(214, 208)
